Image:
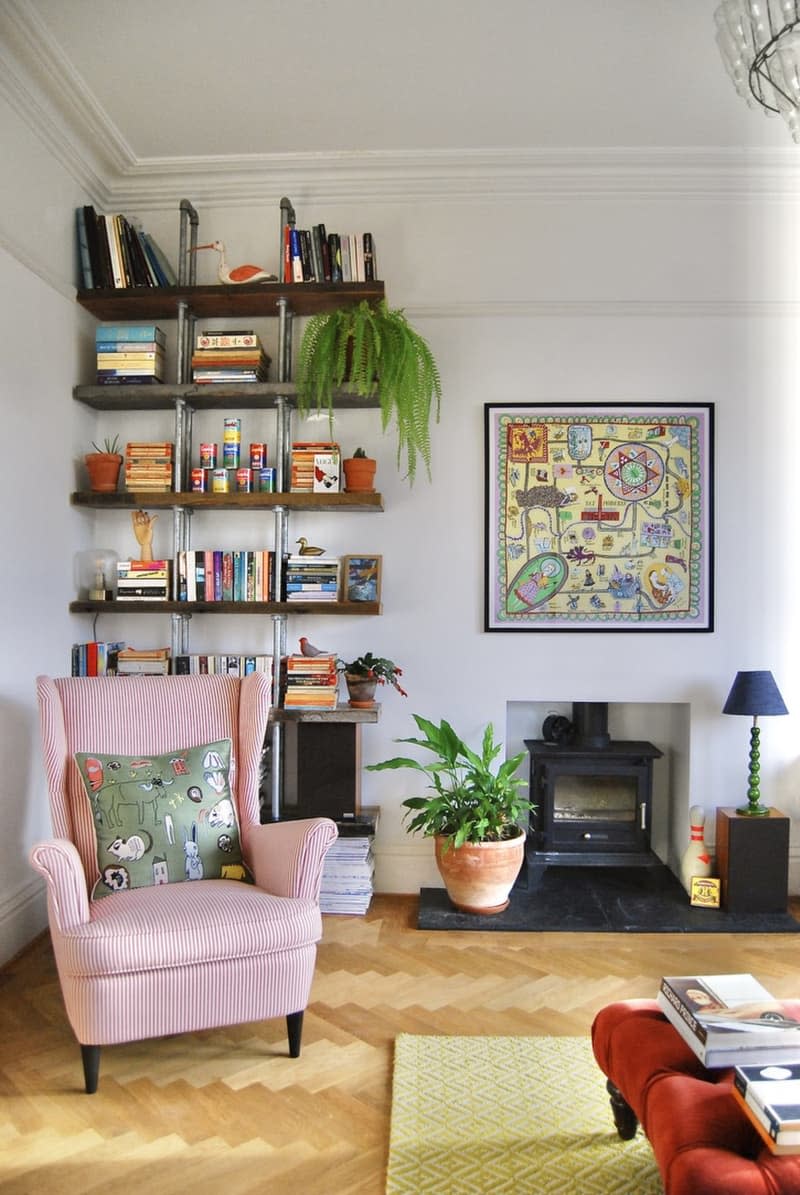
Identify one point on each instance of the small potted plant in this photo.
(104, 465)
(359, 473)
(370, 349)
(472, 812)
(364, 674)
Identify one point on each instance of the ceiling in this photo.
(179, 79)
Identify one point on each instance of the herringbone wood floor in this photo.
(227, 1111)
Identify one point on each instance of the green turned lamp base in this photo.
(753, 811)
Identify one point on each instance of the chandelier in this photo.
(759, 41)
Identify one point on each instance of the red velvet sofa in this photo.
(700, 1136)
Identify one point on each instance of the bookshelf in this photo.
(185, 303)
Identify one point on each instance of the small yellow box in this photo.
(705, 891)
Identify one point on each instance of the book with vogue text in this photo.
(730, 1020)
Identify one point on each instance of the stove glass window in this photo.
(578, 798)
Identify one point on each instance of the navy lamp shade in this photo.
(756, 694)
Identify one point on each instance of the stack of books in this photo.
(770, 1096)
(224, 665)
(349, 865)
(95, 658)
(302, 463)
(143, 580)
(217, 575)
(232, 357)
(312, 682)
(148, 466)
(311, 578)
(729, 1020)
(154, 662)
(114, 252)
(129, 353)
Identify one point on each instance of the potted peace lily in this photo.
(371, 350)
(103, 466)
(472, 812)
(364, 674)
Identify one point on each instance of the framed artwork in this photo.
(599, 517)
(362, 578)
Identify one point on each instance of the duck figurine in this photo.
(239, 274)
(307, 549)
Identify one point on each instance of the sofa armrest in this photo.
(67, 897)
(287, 857)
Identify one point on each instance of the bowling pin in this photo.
(696, 859)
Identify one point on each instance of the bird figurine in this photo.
(307, 549)
(239, 274)
(308, 649)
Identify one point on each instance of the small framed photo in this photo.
(361, 578)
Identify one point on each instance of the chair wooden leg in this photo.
(624, 1115)
(294, 1025)
(91, 1067)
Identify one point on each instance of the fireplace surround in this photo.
(592, 795)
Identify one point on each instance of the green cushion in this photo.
(162, 819)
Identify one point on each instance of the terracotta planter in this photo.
(361, 690)
(479, 876)
(359, 474)
(103, 469)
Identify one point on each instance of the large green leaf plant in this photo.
(470, 801)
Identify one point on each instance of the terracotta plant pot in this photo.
(359, 474)
(361, 690)
(103, 468)
(479, 876)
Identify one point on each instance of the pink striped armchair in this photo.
(176, 957)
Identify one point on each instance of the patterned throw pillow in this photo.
(161, 819)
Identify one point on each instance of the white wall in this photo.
(538, 298)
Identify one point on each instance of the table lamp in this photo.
(754, 693)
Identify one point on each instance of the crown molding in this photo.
(43, 87)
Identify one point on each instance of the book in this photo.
(771, 1097)
(112, 332)
(235, 339)
(729, 1020)
(87, 274)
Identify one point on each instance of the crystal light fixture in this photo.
(759, 41)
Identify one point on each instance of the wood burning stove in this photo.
(592, 795)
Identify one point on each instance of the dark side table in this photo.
(753, 861)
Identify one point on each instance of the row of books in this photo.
(148, 465)
(348, 871)
(315, 255)
(733, 1021)
(314, 467)
(95, 658)
(312, 682)
(219, 575)
(114, 252)
(311, 579)
(129, 353)
(221, 665)
(232, 357)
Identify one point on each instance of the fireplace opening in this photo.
(592, 794)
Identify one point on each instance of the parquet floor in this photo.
(228, 1112)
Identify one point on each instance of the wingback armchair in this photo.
(173, 957)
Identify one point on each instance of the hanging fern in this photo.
(363, 348)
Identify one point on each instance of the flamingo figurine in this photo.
(238, 274)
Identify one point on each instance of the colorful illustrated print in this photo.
(599, 518)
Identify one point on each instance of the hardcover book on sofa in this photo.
(730, 1019)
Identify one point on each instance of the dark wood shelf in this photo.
(136, 499)
(253, 299)
(84, 606)
(215, 396)
(342, 713)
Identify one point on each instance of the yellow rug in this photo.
(508, 1116)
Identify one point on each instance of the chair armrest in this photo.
(67, 897)
(287, 857)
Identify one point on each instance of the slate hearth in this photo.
(601, 900)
